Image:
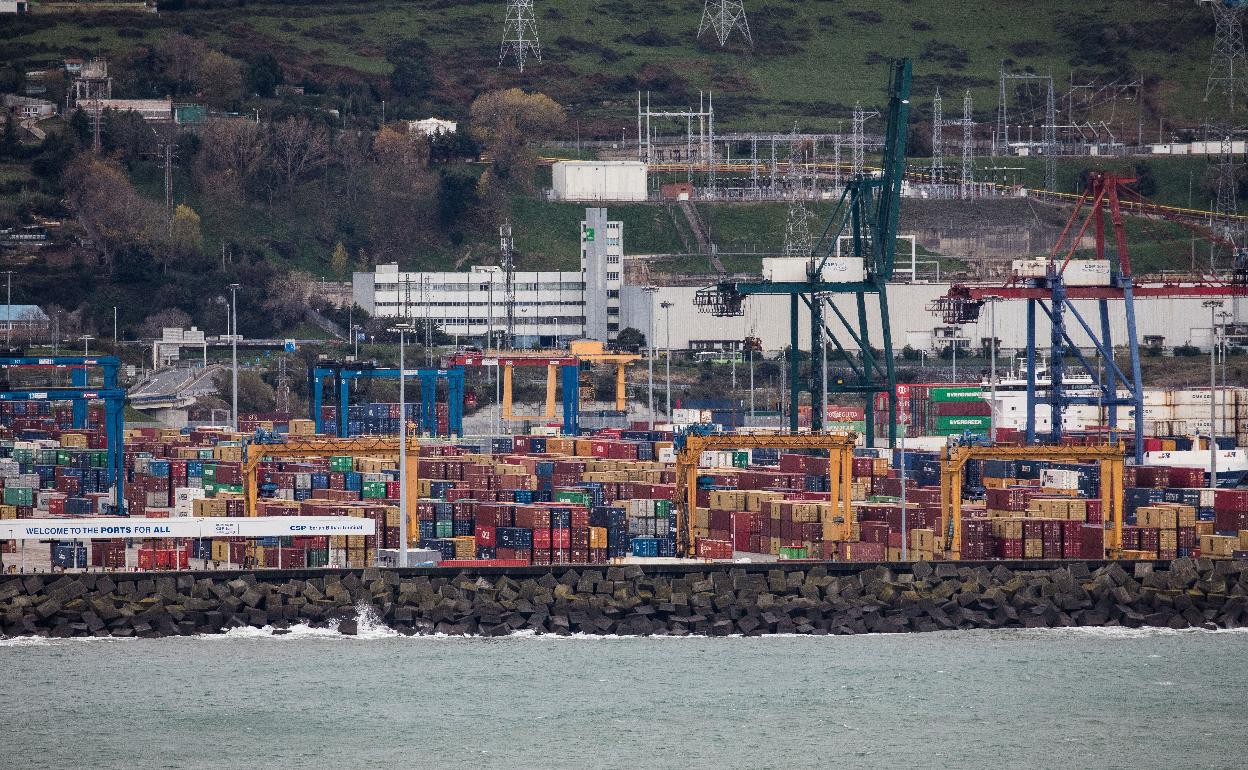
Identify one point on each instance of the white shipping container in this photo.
(1191, 397)
(797, 269)
(1156, 397)
(1059, 478)
(667, 454)
(1087, 272)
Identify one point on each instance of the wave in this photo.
(370, 627)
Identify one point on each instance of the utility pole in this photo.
(992, 370)
(404, 523)
(234, 360)
(115, 340)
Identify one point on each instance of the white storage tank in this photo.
(599, 180)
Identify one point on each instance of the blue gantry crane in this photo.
(866, 214)
(79, 393)
(344, 373)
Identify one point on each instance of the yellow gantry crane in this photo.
(1112, 459)
(363, 446)
(839, 446)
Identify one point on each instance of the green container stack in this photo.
(374, 490)
(19, 496)
(570, 496)
(341, 463)
(662, 509)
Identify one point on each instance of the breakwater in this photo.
(754, 599)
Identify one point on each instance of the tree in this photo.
(286, 297)
(630, 339)
(264, 74)
(232, 153)
(254, 394)
(114, 214)
(1145, 183)
(299, 147)
(185, 236)
(169, 318)
(508, 122)
(218, 79)
(339, 260)
(411, 78)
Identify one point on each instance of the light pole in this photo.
(234, 360)
(901, 465)
(114, 326)
(954, 346)
(1213, 305)
(667, 318)
(1226, 318)
(402, 330)
(8, 310)
(650, 290)
(86, 344)
(992, 365)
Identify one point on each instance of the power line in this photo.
(520, 39)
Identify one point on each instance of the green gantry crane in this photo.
(866, 214)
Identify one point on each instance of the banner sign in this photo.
(105, 527)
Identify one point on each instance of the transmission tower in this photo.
(507, 260)
(282, 392)
(1226, 209)
(1050, 139)
(797, 234)
(520, 39)
(968, 145)
(1226, 64)
(857, 140)
(724, 16)
(938, 150)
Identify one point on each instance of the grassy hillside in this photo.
(812, 59)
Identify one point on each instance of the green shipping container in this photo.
(789, 552)
(341, 463)
(959, 424)
(956, 393)
(374, 490)
(662, 509)
(568, 496)
(857, 426)
(46, 457)
(63, 457)
(442, 529)
(19, 496)
(740, 459)
(24, 455)
(210, 474)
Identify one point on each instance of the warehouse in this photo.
(1177, 320)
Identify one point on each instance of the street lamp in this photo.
(402, 329)
(651, 290)
(1213, 305)
(901, 465)
(667, 318)
(1226, 319)
(86, 344)
(8, 312)
(234, 359)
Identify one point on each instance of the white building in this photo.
(432, 127)
(602, 255)
(151, 110)
(599, 180)
(1178, 320)
(550, 305)
(14, 6)
(27, 107)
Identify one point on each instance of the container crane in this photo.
(866, 214)
(1053, 285)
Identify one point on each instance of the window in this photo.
(613, 293)
(613, 241)
(613, 327)
(613, 259)
(613, 276)
(613, 311)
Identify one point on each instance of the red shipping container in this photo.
(1093, 536)
(1093, 507)
(714, 549)
(1187, 478)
